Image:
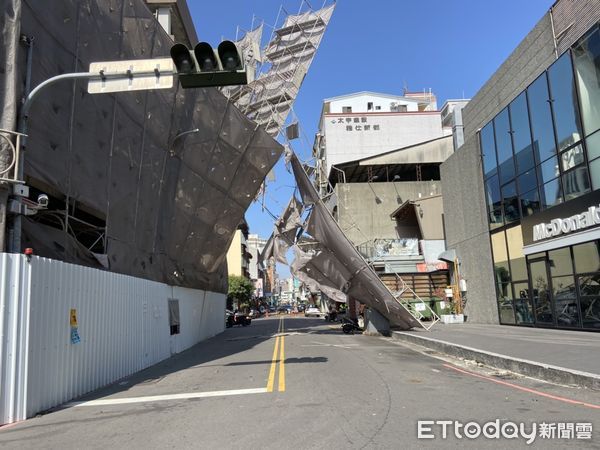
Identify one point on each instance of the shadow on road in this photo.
(229, 342)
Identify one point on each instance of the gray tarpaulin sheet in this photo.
(339, 265)
(311, 270)
(168, 218)
(284, 233)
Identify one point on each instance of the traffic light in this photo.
(206, 67)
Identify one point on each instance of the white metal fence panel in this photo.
(14, 323)
(122, 323)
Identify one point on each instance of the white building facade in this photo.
(363, 124)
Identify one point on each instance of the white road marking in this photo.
(158, 398)
(320, 344)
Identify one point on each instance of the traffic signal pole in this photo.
(204, 67)
(14, 227)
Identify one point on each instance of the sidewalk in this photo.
(565, 357)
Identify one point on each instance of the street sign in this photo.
(133, 75)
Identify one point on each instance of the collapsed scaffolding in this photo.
(325, 259)
(280, 67)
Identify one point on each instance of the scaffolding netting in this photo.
(130, 191)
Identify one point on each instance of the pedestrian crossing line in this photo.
(158, 398)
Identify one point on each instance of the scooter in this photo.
(331, 316)
(238, 319)
(349, 326)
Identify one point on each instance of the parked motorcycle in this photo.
(350, 326)
(331, 316)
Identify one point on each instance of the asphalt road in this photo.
(300, 383)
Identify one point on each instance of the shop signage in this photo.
(577, 222)
(356, 123)
(575, 216)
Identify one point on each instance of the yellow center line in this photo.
(279, 349)
(271, 379)
(282, 366)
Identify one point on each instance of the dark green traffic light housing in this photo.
(206, 67)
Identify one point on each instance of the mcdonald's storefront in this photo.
(541, 172)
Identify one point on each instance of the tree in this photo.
(240, 290)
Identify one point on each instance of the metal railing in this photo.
(417, 307)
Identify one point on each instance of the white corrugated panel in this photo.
(14, 325)
(122, 321)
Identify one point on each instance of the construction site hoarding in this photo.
(129, 192)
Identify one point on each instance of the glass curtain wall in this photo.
(543, 149)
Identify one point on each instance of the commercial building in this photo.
(258, 271)
(378, 165)
(522, 195)
(238, 255)
(364, 124)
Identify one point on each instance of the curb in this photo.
(546, 372)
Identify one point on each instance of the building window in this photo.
(521, 134)
(510, 202)
(551, 194)
(595, 173)
(174, 322)
(488, 150)
(506, 164)
(564, 102)
(523, 304)
(378, 108)
(376, 127)
(524, 136)
(346, 109)
(494, 202)
(541, 119)
(530, 202)
(502, 278)
(586, 59)
(593, 146)
(518, 265)
(575, 183)
(369, 106)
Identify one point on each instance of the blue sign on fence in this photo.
(75, 339)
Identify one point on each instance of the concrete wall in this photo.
(465, 220)
(363, 218)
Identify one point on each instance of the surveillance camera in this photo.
(43, 200)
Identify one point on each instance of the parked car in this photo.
(237, 318)
(313, 311)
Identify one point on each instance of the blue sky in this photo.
(452, 47)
